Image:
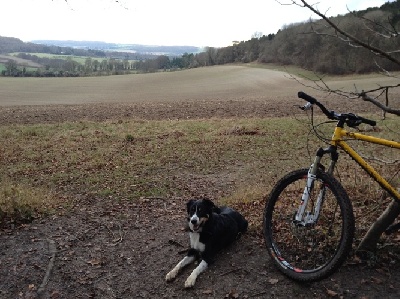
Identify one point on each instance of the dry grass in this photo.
(21, 203)
(234, 160)
(132, 159)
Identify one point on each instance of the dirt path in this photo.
(105, 250)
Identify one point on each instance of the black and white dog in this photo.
(211, 229)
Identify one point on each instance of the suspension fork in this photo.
(303, 217)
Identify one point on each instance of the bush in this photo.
(20, 204)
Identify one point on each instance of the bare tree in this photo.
(378, 96)
(384, 31)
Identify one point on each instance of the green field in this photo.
(78, 59)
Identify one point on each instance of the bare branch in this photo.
(367, 98)
(390, 32)
(373, 49)
(321, 85)
(335, 36)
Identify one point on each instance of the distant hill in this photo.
(92, 48)
(130, 48)
(26, 59)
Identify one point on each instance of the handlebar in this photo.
(350, 119)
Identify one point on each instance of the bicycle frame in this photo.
(338, 140)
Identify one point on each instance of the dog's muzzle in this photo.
(194, 223)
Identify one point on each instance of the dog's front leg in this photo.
(184, 262)
(190, 281)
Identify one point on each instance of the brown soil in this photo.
(114, 249)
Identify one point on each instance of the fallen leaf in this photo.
(94, 262)
(55, 295)
(207, 292)
(381, 271)
(355, 260)
(331, 293)
(232, 294)
(376, 280)
(273, 280)
(31, 287)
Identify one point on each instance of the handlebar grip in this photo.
(304, 96)
(367, 121)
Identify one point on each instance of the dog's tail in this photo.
(242, 222)
(243, 226)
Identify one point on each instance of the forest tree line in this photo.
(314, 46)
(69, 67)
(310, 45)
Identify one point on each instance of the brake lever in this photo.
(306, 107)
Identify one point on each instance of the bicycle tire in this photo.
(308, 253)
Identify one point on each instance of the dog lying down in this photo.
(211, 229)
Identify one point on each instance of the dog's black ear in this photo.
(209, 204)
(189, 204)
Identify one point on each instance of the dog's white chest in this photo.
(195, 242)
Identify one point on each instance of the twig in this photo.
(53, 251)
(118, 239)
(153, 197)
(176, 243)
(381, 160)
(259, 294)
(230, 271)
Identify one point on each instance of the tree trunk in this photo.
(371, 238)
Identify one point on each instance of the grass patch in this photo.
(133, 159)
(21, 203)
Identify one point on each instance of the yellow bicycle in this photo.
(308, 218)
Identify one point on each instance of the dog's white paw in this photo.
(190, 281)
(171, 275)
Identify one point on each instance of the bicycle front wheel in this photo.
(313, 251)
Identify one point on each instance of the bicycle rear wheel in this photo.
(308, 252)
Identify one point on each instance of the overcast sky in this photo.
(214, 23)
